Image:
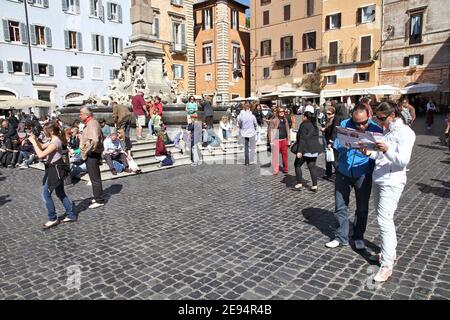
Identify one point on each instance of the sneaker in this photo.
(377, 258)
(333, 244)
(96, 205)
(114, 172)
(314, 189)
(298, 186)
(194, 164)
(383, 274)
(50, 224)
(68, 220)
(360, 245)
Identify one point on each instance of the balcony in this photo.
(287, 55)
(348, 59)
(178, 48)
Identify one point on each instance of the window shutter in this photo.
(270, 47)
(239, 58)
(93, 37)
(304, 41)
(119, 11)
(101, 11)
(29, 1)
(262, 48)
(355, 77)
(183, 34)
(33, 34)
(48, 37)
(92, 12)
(314, 66)
(6, 31)
(157, 27)
(45, 3)
(339, 20)
(365, 48)
(212, 18)
(35, 69)
(358, 15)
(313, 40)
(327, 23)
(312, 7)
(10, 66)
(108, 10)
(111, 74)
(81, 69)
(231, 18)
(182, 71)
(27, 67)
(68, 73)
(204, 55)
(281, 45)
(51, 70)
(110, 45)
(66, 39)
(406, 61)
(1, 66)
(120, 45)
(102, 44)
(237, 20)
(203, 20)
(79, 41)
(421, 59)
(65, 5)
(77, 4)
(174, 36)
(304, 68)
(23, 33)
(368, 76)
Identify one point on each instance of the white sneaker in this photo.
(383, 274)
(360, 245)
(333, 244)
(96, 205)
(298, 186)
(50, 224)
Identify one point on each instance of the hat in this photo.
(309, 109)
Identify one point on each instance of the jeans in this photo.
(224, 134)
(311, 163)
(120, 156)
(249, 150)
(27, 157)
(50, 205)
(77, 170)
(280, 146)
(343, 187)
(93, 163)
(386, 201)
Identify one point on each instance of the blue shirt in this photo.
(352, 163)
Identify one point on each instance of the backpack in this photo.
(406, 116)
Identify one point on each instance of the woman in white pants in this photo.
(389, 179)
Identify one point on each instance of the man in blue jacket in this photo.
(354, 171)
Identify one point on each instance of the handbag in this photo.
(294, 148)
(329, 155)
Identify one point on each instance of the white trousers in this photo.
(386, 201)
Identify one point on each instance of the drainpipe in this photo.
(381, 42)
(29, 41)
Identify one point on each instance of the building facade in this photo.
(173, 27)
(286, 43)
(416, 36)
(222, 43)
(72, 47)
(351, 40)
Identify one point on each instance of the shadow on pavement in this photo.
(443, 192)
(107, 194)
(431, 147)
(321, 219)
(4, 199)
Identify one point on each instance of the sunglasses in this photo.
(382, 118)
(330, 114)
(360, 124)
(281, 111)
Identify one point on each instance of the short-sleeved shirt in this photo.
(191, 108)
(57, 154)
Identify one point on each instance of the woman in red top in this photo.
(161, 151)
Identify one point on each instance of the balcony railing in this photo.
(285, 55)
(178, 47)
(330, 60)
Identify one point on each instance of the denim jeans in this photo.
(386, 201)
(343, 187)
(50, 205)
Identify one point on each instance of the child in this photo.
(156, 121)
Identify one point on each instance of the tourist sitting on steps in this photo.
(114, 150)
(161, 152)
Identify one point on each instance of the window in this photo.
(287, 12)
(17, 66)
(40, 3)
(177, 2)
(114, 74)
(72, 40)
(96, 43)
(265, 2)
(208, 77)
(287, 70)
(40, 35)
(236, 58)
(114, 12)
(286, 46)
(266, 48)
(115, 45)
(333, 50)
(207, 18)
(73, 6)
(207, 57)
(361, 77)
(266, 19)
(14, 31)
(366, 43)
(333, 21)
(413, 60)
(309, 40)
(75, 72)
(309, 67)
(415, 28)
(155, 27)
(178, 71)
(97, 73)
(366, 14)
(331, 79)
(234, 19)
(42, 69)
(309, 7)
(266, 72)
(95, 8)
(178, 37)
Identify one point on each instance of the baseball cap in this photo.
(309, 109)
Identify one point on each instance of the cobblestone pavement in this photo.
(220, 232)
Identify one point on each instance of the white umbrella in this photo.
(25, 103)
(383, 90)
(238, 99)
(252, 99)
(301, 94)
(420, 88)
(356, 92)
